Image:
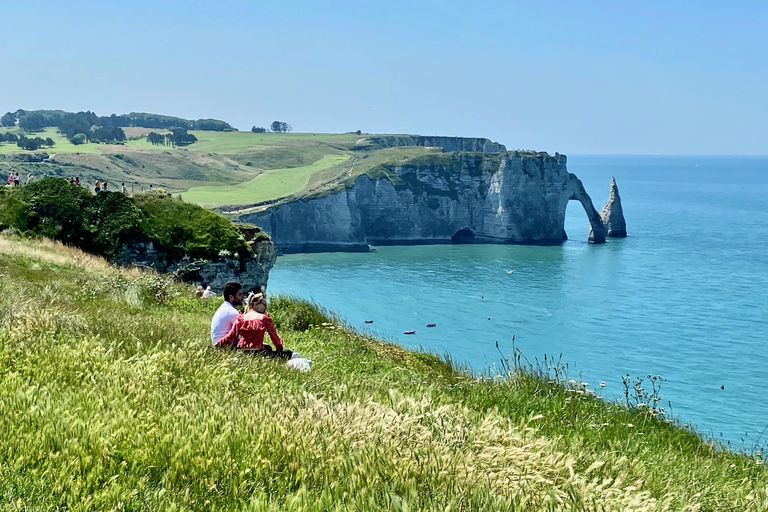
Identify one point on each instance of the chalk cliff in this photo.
(462, 197)
(252, 272)
(612, 214)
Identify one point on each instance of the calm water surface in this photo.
(685, 296)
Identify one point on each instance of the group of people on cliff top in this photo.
(245, 331)
(14, 180)
(103, 186)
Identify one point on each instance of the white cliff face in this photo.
(612, 214)
(460, 197)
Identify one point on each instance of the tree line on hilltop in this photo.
(28, 143)
(177, 137)
(82, 127)
(276, 126)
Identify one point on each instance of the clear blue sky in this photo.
(652, 77)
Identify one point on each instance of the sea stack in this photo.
(612, 214)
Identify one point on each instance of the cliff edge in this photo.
(481, 196)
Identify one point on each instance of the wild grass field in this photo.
(113, 399)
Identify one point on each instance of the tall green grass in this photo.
(111, 398)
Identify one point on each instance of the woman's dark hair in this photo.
(231, 288)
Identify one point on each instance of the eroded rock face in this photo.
(462, 197)
(252, 273)
(612, 214)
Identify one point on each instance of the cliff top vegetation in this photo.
(102, 223)
(112, 398)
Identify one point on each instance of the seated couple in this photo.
(245, 331)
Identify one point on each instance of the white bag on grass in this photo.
(299, 363)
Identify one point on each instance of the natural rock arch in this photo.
(575, 192)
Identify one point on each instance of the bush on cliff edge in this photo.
(56, 209)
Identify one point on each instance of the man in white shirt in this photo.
(226, 316)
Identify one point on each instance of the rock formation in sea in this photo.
(488, 195)
(612, 214)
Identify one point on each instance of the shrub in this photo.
(51, 207)
(178, 229)
(111, 219)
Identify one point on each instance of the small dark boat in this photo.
(431, 325)
(369, 321)
(409, 332)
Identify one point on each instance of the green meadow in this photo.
(228, 143)
(62, 143)
(113, 399)
(269, 184)
(221, 168)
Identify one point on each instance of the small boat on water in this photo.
(409, 332)
(431, 325)
(369, 321)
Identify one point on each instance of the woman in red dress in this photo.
(251, 327)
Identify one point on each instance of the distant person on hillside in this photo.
(97, 186)
(208, 293)
(199, 292)
(123, 189)
(226, 316)
(77, 180)
(16, 180)
(29, 178)
(251, 327)
(104, 186)
(10, 180)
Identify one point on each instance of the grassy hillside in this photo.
(267, 185)
(112, 398)
(235, 169)
(62, 143)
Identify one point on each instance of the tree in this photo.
(109, 219)
(32, 122)
(180, 137)
(280, 126)
(77, 139)
(155, 138)
(49, 142)
(258, 129)
(8, 119)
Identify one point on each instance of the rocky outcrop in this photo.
(512, 197)
(252, 273)
(612, 214)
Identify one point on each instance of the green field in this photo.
(269, 184)
(228, 143)
(62, 144)
(112, 398)
(221, 168)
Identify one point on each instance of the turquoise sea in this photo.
(685, 296)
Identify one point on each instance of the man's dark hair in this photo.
(231, 288)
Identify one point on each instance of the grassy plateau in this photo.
(270, 184)
(235, 169)
(112, 398)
